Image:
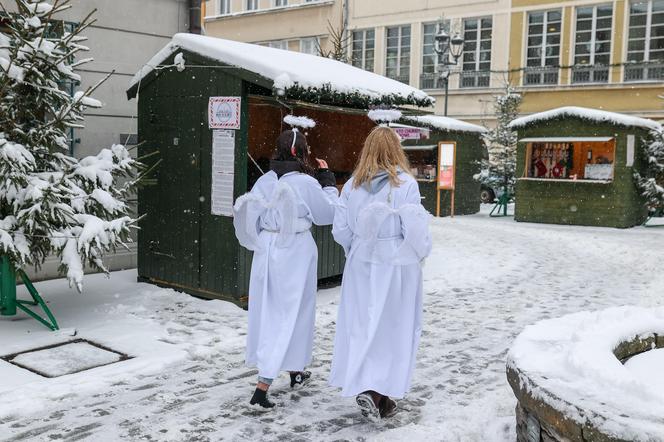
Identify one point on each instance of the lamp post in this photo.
(445, 46)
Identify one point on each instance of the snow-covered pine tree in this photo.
(500, 167)
(51, 202)
(651, 181)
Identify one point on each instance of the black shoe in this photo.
(387, 407)
(299, 378)
(260, 398)
(368, 406)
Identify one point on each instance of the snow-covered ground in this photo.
(485, 281)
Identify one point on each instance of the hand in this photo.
(322, 164)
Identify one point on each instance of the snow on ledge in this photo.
(572, 358)
(445, 123)
(289, 69)
(595, 115)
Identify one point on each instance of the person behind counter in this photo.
(274, 220)
(384, 231)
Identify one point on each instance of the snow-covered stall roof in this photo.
(593, 115)
(296, 73)
(444, 123)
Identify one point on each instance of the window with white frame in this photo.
(280, 2)
(543, 47)
(363, 47)
(252, 5)
(278, 44)
(476, 52)
(309, 45)
(397, 53)
(645, 46)
(224, 6)
(429, 78)
(592, 46)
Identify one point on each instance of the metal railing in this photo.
(590, 74)
(431, 81)
(474, 79)
(647, 71)
(533, 76)
(402, 78)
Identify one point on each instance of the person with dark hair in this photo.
(274, 221)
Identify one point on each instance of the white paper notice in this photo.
(223, 172)
(630, 151)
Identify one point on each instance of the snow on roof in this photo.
(445, 123)
(288, 70)
(595, 115)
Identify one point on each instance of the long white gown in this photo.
(385, 236)
(274, 221)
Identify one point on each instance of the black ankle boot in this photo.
(299, 378)
(260, 398)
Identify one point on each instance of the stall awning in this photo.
(565, 139)
(427, 147)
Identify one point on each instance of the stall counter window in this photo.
(570, 158)
(422, 162)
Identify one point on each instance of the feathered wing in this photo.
(246, 219)
(249, 209)
(414, 220)
(284, 202)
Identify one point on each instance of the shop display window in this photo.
(589, 159)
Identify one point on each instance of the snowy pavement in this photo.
(485, 281)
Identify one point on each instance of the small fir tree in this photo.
(51, 202)
(500, 167)
(339, 44)
(651, 181)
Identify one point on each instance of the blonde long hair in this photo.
(382, 151)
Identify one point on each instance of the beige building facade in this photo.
(593, 53)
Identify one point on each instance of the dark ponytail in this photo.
(285, 147)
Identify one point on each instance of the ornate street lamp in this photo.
(445, 47)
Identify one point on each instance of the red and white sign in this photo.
(446, 165)
(224, 112)
(412, 133)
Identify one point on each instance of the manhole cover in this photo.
(65, 358)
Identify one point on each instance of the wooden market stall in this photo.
(450, 145)
(209, 113)
(576, 166)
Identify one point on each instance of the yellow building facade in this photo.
(601, 54)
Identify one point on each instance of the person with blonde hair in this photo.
(383, 228)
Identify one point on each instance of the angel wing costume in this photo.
(385, 234)
(274, 221)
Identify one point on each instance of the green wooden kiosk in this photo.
(468, 149)
(576, 166)
(209, 112)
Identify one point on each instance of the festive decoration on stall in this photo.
(301, 122)
(384, 116)
(50, 201)
(651, 180)
(500, 167)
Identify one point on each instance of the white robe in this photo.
(274, 221)
(385, 236)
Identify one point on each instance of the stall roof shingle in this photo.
(294, 72)
(594, 115)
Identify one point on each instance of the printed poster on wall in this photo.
(446, 162)
(223, 172)
(224, 112)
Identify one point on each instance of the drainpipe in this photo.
(195, 16)
(345, 18)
